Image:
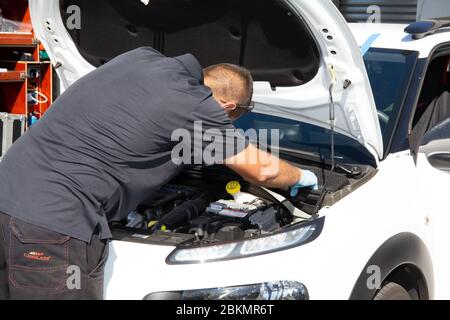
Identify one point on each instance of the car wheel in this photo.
(392, 291)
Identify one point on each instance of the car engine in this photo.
(208, 216)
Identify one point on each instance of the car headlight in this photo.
(286, 239)
(275, 290)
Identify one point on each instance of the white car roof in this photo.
(392, 36)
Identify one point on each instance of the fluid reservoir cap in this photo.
(233, 187)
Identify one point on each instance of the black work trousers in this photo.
(36, 263)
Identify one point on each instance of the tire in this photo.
(392, 291)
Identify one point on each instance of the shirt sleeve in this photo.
(215, 137)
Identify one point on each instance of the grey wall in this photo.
(433, 9)
(391, 11)
(403, 11)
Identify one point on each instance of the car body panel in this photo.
(354, 229)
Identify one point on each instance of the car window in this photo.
(437, 81)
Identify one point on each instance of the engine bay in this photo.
(197, 207)
(205, 216)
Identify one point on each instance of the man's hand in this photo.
(307, 180)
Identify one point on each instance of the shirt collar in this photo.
(192, 65)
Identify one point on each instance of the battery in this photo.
(232, 209)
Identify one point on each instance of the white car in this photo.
(350, 110)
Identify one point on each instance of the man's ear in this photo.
(229, 106)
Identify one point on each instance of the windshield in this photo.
(389, 74)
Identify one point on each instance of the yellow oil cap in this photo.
(233, 187)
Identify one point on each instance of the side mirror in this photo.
(436, 145)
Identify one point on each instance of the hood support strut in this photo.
(332, 113)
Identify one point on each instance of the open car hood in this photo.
(338, 64)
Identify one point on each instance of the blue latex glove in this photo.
(308, 180)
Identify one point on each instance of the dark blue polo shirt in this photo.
(105, 144)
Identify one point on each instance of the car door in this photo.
(433, 172)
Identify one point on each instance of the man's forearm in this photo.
(278, 174)
(261, 168)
